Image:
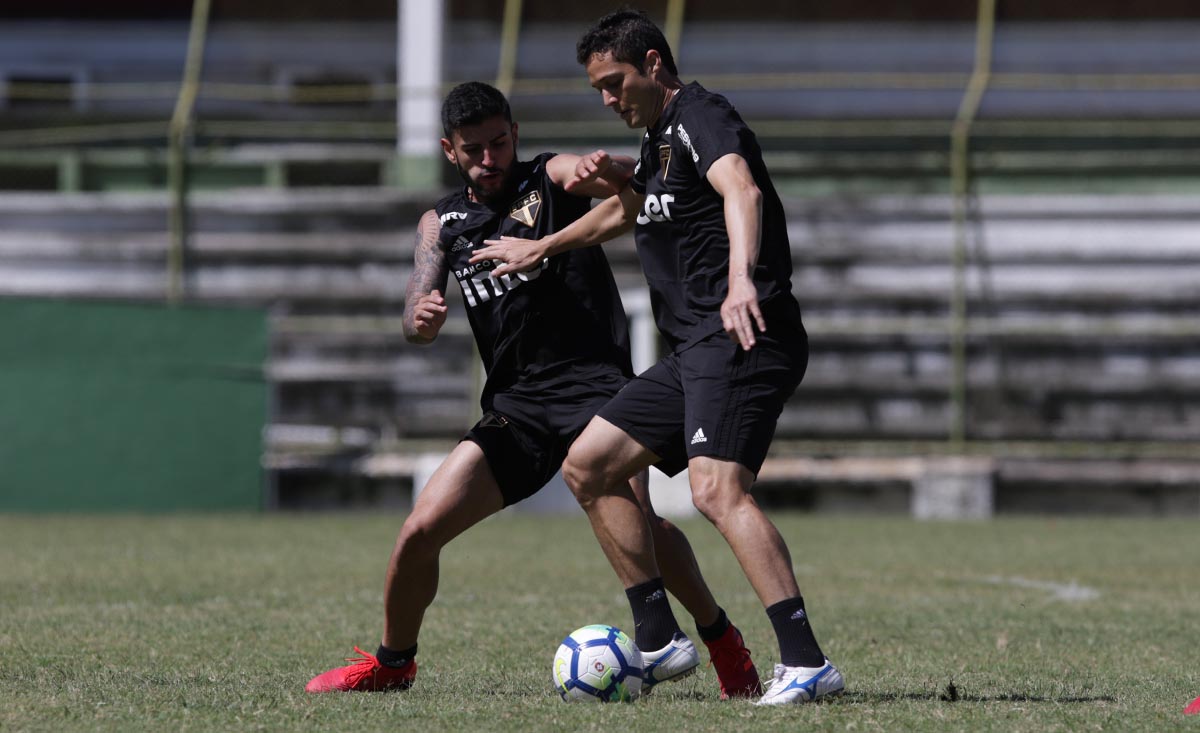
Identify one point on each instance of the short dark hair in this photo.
(628, 34)
(471, 103)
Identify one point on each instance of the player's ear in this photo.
(652, 63)
(448, 149)
(514, 134)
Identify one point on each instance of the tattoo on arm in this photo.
(430, 268)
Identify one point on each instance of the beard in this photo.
(490, 198)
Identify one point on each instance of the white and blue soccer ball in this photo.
(599, 663)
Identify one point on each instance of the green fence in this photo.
(121, 407)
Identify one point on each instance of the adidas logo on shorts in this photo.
(699, 437)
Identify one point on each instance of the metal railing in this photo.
(178, 141)
(960, 183)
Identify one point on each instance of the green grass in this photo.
(216, 623)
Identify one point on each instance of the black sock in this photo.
(653, 621)
(716, 630)
(797, 645)
(392, 658)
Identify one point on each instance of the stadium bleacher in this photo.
(1079, 336)
(1082, 364)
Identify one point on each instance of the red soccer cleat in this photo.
(1193, 708)
(735, 670)
(364, 674)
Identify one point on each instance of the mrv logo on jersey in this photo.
(656, 208)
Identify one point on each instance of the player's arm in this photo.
(607, 220)
(597, 174)
(731, 177)
(424, 304)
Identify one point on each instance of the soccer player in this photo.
(554, 340)
(712, 239)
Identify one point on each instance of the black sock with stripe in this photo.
(654, 623)
(797, 645)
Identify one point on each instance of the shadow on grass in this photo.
(951, 695)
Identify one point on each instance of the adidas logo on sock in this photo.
(699, 437)
(799, 615)
(655, 596)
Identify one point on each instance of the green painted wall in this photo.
(124, 407)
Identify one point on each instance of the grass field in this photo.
(216, 623)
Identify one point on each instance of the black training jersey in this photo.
(562, 321)
(681, 236)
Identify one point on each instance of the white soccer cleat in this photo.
(803, 684)
(674, 661)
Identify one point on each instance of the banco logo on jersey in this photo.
(478, 285)
(656, 208)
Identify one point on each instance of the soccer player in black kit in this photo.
(712, 239)
(554, 340)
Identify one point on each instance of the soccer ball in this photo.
(598, 662)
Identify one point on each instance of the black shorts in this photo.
(713, 399)
(527, 431)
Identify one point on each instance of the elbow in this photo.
(752, 195)
(746, 202)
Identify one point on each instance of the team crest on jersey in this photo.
(664, 158)
(527, 208)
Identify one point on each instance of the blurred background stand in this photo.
(992, 209)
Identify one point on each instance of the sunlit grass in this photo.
(216, 623)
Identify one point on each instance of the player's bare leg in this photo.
(597, 469)
(461, 493)
(721, 492)
(676, 560)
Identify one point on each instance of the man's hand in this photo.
(740, 312)
(513, 254)
(591, 167)
(428, 315)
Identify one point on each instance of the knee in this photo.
(418, 538)
(583, 472)
(714, 498)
